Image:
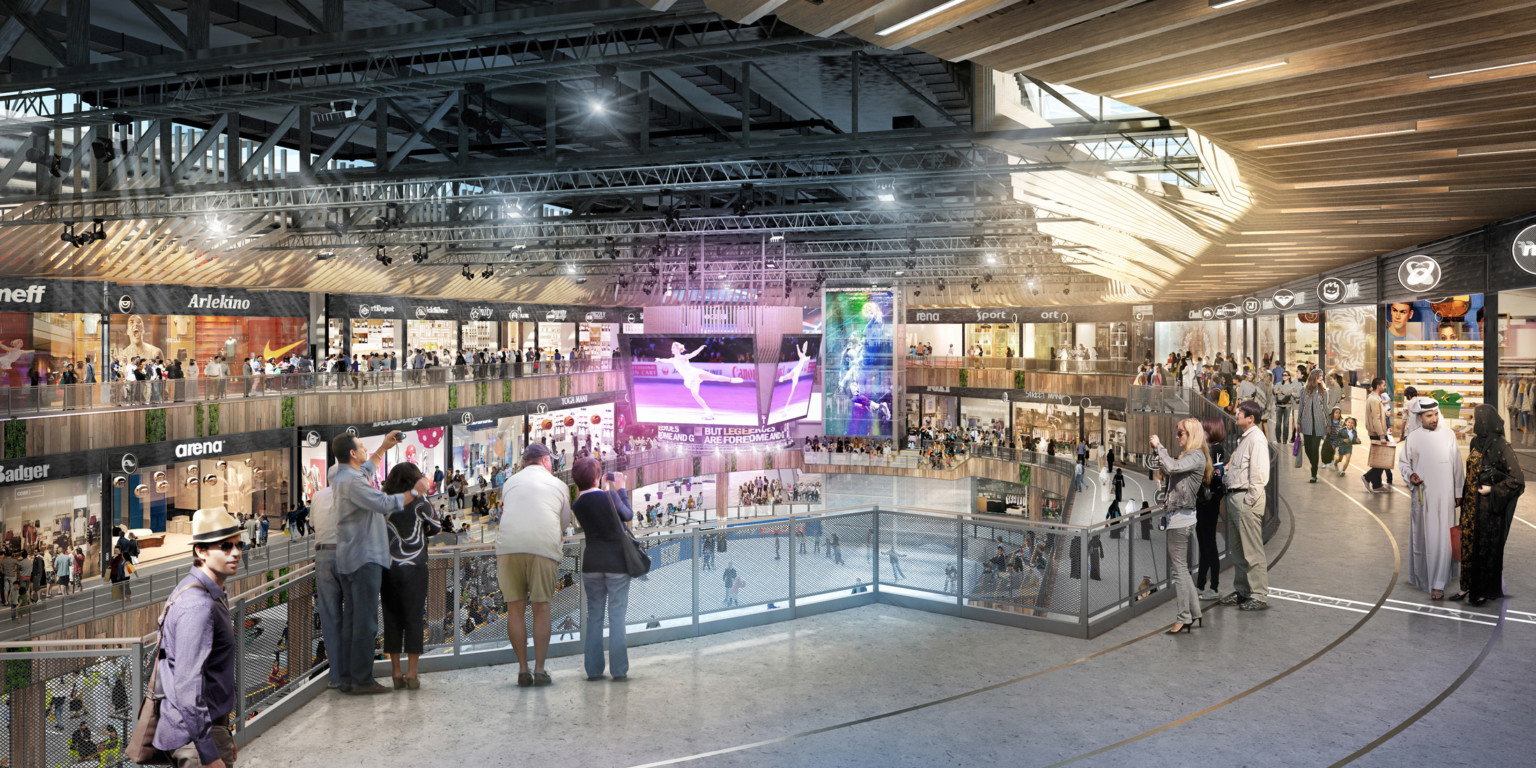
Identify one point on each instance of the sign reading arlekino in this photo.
(722, 437)
(189, 300)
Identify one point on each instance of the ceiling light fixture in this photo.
(488, 272)
(1495, 149)
(1354, 182)
(1482, 69)
(928, 14)
(380, 253)
(1338, 137)
(1201, 79)
(1217, 5)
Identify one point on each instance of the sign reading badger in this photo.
(23, 474)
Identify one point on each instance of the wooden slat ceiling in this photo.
(1351, 129)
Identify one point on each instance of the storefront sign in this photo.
(1332, 290)
(1085, 314)
(1419, 273)
(1524, 249)
(23, 474)
(223, 302)
(20, 294)
(205, 448)
(152, 454)
(698, 435)
(1285, 299)
(1251, 306)
(343, 305)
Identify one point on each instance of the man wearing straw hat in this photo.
(196, 669)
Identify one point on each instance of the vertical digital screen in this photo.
(694, 380)
(859, 372)
(794, 378)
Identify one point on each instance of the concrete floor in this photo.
(1348, 656)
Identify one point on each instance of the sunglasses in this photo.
(1182, 433)
(226, 546)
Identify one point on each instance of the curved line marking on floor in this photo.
(1375, 609)
(1291, 536)
(1493, 638)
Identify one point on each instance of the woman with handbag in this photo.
(1493, 486)
(1312, 418)
(403, 597)
(604, 571)
(1185, 475)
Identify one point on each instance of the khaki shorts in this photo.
(526, 577)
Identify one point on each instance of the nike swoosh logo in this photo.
(267, 352)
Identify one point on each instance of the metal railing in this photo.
(1021, 364)
(151, 584)
(1072, 580)
(61, 398)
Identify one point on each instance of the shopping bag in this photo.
(1383, 455)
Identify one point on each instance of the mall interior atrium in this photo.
(767, 382)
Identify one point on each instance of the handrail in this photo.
(1042, 365)
(126, 395)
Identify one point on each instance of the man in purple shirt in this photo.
(196, 669)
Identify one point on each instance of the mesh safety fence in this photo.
(832, 553)
(667, 591)
(747, 571)
(69, 711)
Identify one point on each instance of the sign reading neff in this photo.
(32, 294)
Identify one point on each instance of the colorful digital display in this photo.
(794, 378)
(859, 374)
(694, 380)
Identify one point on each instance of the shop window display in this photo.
(64, 512)
(1351, 351)
(375, 337)
(183, 337)
(1437, 348)
(1202, 338)
(439, 336)
(43, 342)
(571, 431)
(160, 499)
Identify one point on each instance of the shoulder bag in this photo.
(636, 562)
(141, 747)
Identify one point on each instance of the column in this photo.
(722, 494)
(1490, 334)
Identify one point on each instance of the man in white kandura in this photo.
(693, 377)
(794, 375)
(1435, 472)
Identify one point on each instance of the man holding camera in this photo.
(362, 554)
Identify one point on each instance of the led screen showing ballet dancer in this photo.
(694, 380)
(794, 378)
(859, 372)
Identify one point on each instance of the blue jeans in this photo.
(608, 591)
(360, 622)
(328, 592)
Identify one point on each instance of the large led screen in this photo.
(694, 380)
(859, 372)
(794, 378)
